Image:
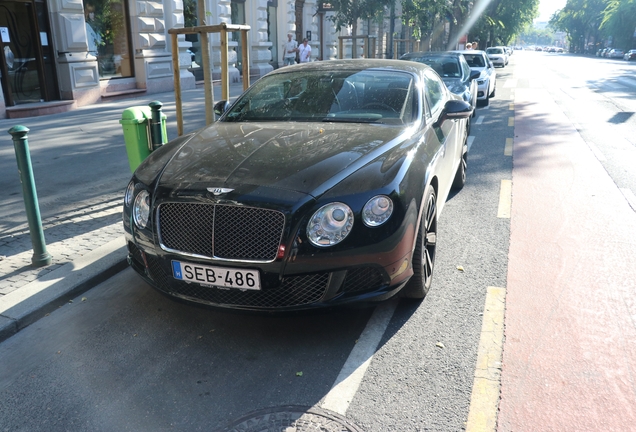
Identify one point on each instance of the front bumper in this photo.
(482, 91)
(304, 277)
(340, 285)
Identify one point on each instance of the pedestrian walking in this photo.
(290, 48)
(304, 51)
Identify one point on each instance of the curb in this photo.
(28, 304)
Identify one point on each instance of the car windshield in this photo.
(494, 50)
(475, 60)
(445, 66)
(363, 96)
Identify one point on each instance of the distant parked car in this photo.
(454, 71)
(486, 82)
(497, 56)
(630, 55)
(616, 53)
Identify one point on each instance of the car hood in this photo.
(291, 156)
(456, 85)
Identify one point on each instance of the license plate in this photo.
(222, 277)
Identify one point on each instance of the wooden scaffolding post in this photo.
(223, 29)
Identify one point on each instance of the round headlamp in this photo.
(130, 191)
(377, 211)
(141, 209)
(330, 224)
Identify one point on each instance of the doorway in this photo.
(27, 67)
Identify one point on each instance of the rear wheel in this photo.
(424, 255)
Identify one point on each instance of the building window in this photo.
(237, 8)
(107, 29)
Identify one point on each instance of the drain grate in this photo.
(292, 419)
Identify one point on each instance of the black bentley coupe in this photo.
(320, 185)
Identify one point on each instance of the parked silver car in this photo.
(486, 82)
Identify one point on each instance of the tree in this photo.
(580, 20)
(619, 20)
(502, 20)
(348, 12)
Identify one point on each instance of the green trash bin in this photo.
(135, 122)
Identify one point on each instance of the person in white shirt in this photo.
(304, 51)
(290, 48)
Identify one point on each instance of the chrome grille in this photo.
(221, 231)
(293, 291)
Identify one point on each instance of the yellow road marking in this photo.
(508, 148)
(511, 121)
(505, 199)
(484, 401)
(511, 107)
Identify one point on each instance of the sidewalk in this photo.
(86, 240)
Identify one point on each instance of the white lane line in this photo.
(470, 140)
(630, 197)
(510, 83)
(600, 156)
(344, 389)
(479, 120)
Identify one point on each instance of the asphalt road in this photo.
(124, 357)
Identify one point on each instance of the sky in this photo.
(548, 7)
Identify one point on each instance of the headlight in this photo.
(377, 211)
(481, 81)
(330, 224)
(130, 191)
(141, 209)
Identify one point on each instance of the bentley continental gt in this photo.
(320, 185)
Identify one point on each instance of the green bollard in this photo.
(156, 125)
(21, 144)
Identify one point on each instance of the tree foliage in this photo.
(502, 20)
(587, 21)
(619, 21)
(348, 12)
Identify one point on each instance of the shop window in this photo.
(107, 28)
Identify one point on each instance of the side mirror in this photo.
(220, 107)
(454, 110)
(474, 74)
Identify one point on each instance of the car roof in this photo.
(469, 51)
(432, 54)
(357, 64)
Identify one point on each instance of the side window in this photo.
(466, 69)
(434, 92)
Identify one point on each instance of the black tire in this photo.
(424, 255)
(486, 102)
(493, 92)
(460, 174)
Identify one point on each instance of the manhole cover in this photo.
(292, 419)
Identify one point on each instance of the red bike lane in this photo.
(569, 357)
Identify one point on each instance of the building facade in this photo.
(61, 54)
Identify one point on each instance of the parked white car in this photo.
(486, 82)
(497, 56)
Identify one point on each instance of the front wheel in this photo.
(460, 174)
(424, 255)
